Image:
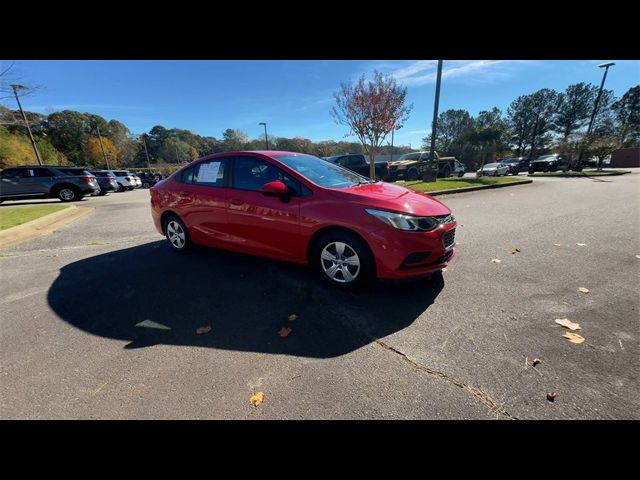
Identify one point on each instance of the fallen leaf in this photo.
(293, 317)
(515, 250)
(443, 270)
(284, 332)
(558, 244)
(202, 330)
(581, 244)
(551, 396)
(565, 322)
(637, 256)
(583, 290)
(496, 260)
(536, 361)
(256, 399)
(574, 337)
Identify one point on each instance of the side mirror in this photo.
(275, 188)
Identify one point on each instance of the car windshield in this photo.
(491, 165)
(322, 172)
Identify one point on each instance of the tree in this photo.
(68, 131)
(93, 153)
(627, 114)
(234, 139)
(452, 126)
(542, 107)
(601, 146)
(520, 122)
(574, 108)
(371, 110)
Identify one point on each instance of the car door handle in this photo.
(236, 201)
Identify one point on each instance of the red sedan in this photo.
(300, 208)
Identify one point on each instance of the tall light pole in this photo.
(17, 87)
(392, 132)
(434, 124)
(266, 139)
(146, 152)
(595, 108)
(104, 154)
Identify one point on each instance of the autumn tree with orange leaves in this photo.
(371, 109)
(92, 150)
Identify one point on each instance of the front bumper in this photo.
(399, 254)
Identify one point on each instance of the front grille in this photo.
(445, 219)
(449, 239)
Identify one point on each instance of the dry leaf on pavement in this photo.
(558, 244)
(536, 361)
(284, 332)
(496, 260)
(256, 399)
(573, 337)
(515, 250)
(583, 290)
(202, 330)
(565, 322)
(293, 317)
(637, 256)
(581, 244)
(551, 396)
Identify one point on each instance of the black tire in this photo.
(460, 174)
(120, 187)
(362, 274)
(102, 193)
(413, 175)
(446, 172)
(173, 224)
(146, 185)
(67, 193)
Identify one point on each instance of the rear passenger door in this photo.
(41, 180)
(202, 201)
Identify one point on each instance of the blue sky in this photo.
(294, 97)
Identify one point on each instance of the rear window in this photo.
(74, 172)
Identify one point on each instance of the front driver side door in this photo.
(261, 224)
(12, 182)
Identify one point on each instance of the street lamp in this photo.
(17, 87)
(595, 108)
(434, 127)
(266, 139)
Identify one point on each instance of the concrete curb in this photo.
(42, 226)
(560, 175)
(479, 187)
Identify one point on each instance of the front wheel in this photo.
(146, 185)
(177, 235)
(460, 174)
(343, 259)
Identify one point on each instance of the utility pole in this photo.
(434, 124)
(595, 110)
(146, 152)
(392, 132)
(175, 147)
(104, 154)
(17, 87)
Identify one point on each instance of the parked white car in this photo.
(137, 180)
(125, 180)
(459, 169)
(492, 170)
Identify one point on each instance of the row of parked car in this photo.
(544, 163)
(68, 183)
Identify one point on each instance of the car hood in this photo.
(387, 196)
(401, 162)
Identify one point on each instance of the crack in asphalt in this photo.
(482, 396)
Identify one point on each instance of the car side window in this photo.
(211, 173)
(15, 172)
(186, 176)
(42, 172)
(250, 173)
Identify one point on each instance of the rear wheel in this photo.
(460, 174)
(177, 234)
(68, 194)
(146, 185)
(446, 172)
(343, 259)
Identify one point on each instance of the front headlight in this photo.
(405, 222)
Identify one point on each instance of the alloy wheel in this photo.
(340, 262)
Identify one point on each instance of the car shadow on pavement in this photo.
(246, 300)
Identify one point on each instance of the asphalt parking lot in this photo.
(457, 347)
